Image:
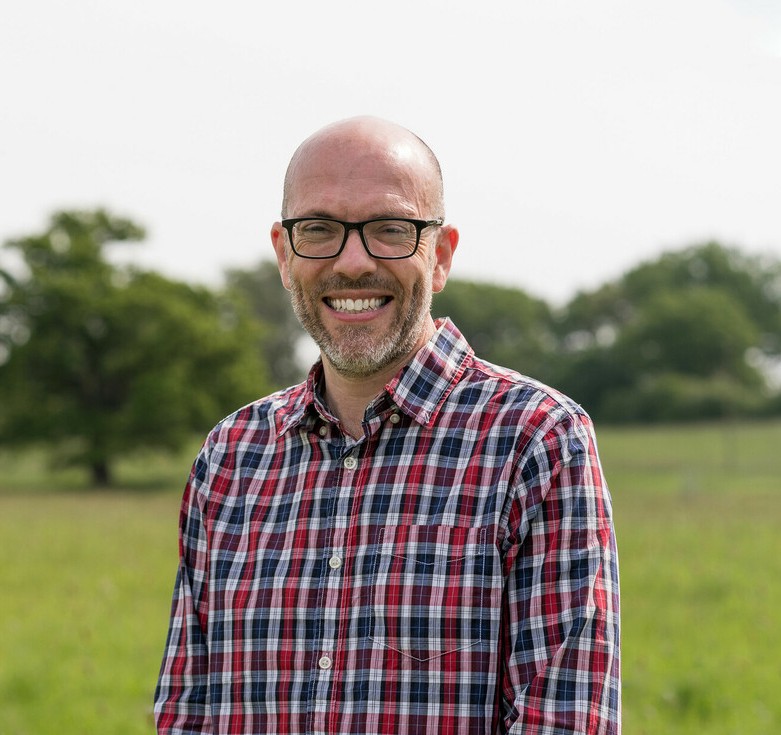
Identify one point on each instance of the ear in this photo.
(447, 242)
(279, 241)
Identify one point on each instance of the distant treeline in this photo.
(100, 359)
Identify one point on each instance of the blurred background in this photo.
(613, 169)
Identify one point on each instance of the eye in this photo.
(390, 227)
(391, 230)
(319, 229)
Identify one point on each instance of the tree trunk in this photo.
(101, 473)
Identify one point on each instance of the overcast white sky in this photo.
(576, 138)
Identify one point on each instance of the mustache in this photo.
(341, 283)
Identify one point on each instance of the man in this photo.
(411, 541)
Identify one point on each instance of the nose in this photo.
(354, 261)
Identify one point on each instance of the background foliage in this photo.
(101, 360)
(98, 359)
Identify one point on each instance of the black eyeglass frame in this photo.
(419, 224)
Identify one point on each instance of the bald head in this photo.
(378, 142)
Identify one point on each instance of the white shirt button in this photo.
(334, 562)
(350, 462)
(325, 662)
(394, 418)
(323, 430)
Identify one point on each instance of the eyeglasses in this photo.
(386, 239)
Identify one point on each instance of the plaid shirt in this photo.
(454, 570)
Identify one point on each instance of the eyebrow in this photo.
(394, 215)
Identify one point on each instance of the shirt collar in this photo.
(421, 387)
(418, 389)
(303, 404)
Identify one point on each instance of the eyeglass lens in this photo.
(389, 238)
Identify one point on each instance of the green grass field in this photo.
(86, 577)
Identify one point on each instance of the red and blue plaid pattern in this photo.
(453, 571)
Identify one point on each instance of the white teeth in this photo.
(355, 305)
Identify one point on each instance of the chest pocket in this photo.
(431, 590)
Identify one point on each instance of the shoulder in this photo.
(517, 391)
(266, 415)
(509, 403)
(248, 436)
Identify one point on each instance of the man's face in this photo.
(366, 315)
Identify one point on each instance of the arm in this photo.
(561, 671)
(181, 697)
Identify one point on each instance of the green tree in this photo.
(685, 356)
(753, 282)
(696, 331)
(672, 338)
(99, 360)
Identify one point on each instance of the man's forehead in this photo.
(351, 163)
(369, 150)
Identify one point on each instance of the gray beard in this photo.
(354, 350)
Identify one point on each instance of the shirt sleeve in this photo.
(181, 696)
(561, 667)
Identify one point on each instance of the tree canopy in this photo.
(100, 360)
(693, 334)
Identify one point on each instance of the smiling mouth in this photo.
(356, 306)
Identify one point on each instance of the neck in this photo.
(347, 397)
